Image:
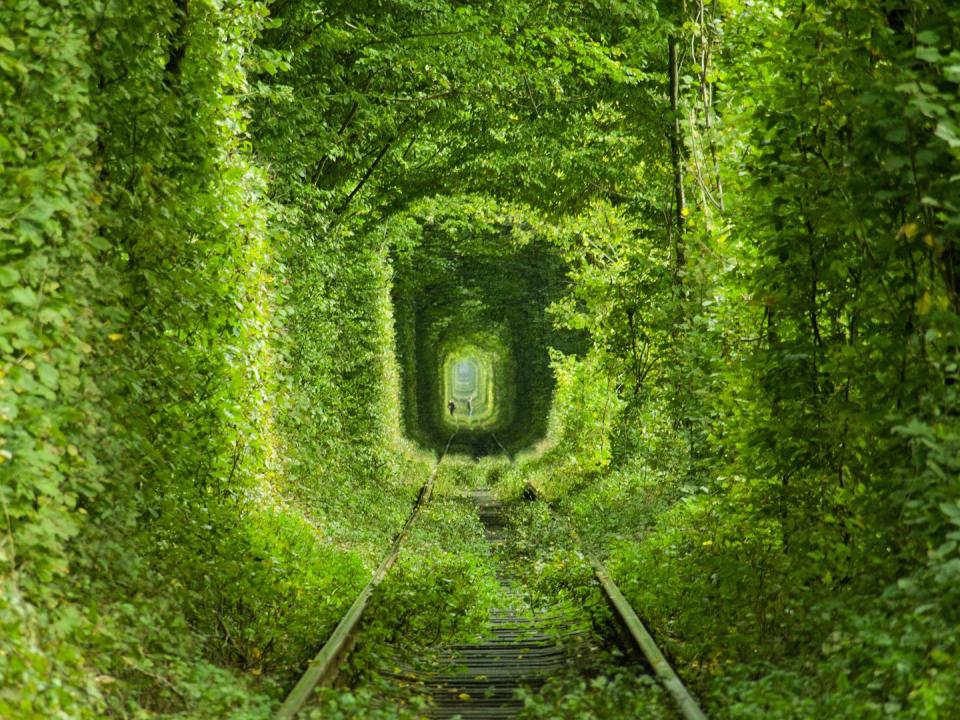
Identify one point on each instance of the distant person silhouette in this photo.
(452, 407)
(469, 408)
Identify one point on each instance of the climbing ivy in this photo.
(783, 462)
(163, 550)
(468, 272)
(719, 242)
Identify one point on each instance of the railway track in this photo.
(526, 641)
(523, 644)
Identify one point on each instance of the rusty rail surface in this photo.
(686, 703)
(323, 668)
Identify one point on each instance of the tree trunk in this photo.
(677, 154)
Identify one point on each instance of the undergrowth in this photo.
(440, 591)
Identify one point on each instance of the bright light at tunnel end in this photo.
(469, 388)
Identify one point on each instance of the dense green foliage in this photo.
(468, 274)
(777, 491)
(219, 217)
(182, 452)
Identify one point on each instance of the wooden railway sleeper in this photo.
(325, 664)
(627, 618)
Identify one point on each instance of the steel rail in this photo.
(684, 699)
(323, 667)
(497, 441)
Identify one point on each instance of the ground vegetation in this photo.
(717, 243)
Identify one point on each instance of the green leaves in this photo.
(201, 215)
(9, 276)
(24, 296)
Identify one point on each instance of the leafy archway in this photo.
(472, 280)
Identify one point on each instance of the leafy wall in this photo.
(203, 206)
(200, 459)
(770, 401)
(470, 270)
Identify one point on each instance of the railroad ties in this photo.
(531, 647)
(524, 644)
